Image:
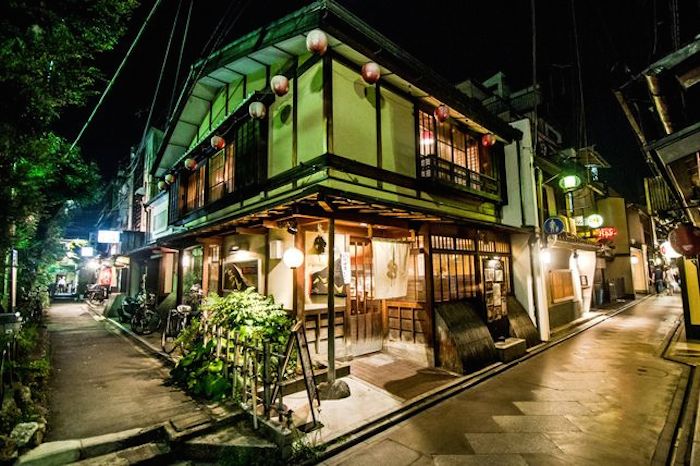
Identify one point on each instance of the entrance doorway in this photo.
(364, 314)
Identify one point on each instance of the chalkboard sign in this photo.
(307, 368)
(298, 338)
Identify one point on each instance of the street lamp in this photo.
(569, 182)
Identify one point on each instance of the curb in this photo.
(431, 398)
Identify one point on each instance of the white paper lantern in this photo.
(257, 110)
(279, 85)
(317, 42)
(293, 257)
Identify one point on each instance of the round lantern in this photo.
(317, 42)
(293, 257)
(169, 178)
(190, 164)
(488, 140)
(257, 110)
(279, 85)
(371, 72)
(442, 113)
(162, 185)
(217, 142)
(685, 239)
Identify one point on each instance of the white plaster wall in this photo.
(280, 278)
(585, 265)
(520, 182)
(522, 276)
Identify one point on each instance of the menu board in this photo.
(494, 287)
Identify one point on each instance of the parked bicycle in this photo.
(145, 318)
(175, 323)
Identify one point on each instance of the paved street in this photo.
(102, 382)
(601, 397)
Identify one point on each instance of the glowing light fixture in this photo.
(293, 257)
(634, 260)
(594, 220)
(546, 256)
(569, 182)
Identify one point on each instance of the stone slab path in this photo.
(599, 398)
(101, 381)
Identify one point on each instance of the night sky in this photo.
(459, 39)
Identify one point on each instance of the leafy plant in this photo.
(253, 316)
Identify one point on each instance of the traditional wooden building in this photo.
(395, 187)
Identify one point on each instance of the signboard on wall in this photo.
(553, 226)
(108, 236)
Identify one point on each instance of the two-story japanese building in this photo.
(358, 163)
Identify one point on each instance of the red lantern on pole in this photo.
(371, 72)
(257, 110)
(317, 42)
(279, 85)
(217, 142)
(442, 113)
(169, 178)
(685, 239)
(190, 164)
(488, 140)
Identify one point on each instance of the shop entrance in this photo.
(364, 314)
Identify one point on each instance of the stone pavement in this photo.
(101, 381)
(602, 397)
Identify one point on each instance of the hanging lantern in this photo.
(317, 42)
(488, 140)
(293, 257)
(442, 113)
(190, 164)
(162, 185)
(371, 72)
(685, 239)
(217, 142)
(279, 85)
(257, 110)
(169, 178)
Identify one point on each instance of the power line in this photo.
(116, 74)
(160, 76)
(179, 60)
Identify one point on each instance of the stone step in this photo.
(237, 442)
(148, 453)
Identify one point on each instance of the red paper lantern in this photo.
(279, 85)
(257, 110)
(162, 185)
(488, 140)
(217, 142)
(685, 239)
(371, 72)
(442, 113)
(169, 178)
(190, 164)
(317, 42)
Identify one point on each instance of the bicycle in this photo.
(175, 323)
(145, 319)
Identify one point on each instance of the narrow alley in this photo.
(601, 397)
(101, 382)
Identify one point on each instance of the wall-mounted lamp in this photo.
(634, 260)
(234, 248)
(292, 228)
(546, 256)
(293, 257)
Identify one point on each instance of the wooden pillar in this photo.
(430, 292)
(298, 293)
(180, 277)
(331, 300)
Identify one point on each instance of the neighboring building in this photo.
(662, 105)
(432, 252)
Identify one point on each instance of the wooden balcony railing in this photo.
(440, 171)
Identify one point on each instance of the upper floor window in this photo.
(452, 154)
